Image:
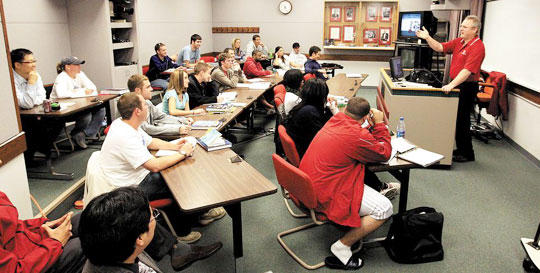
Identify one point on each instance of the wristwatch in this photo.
(183, 153)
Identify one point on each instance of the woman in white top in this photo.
(281, 60)
(71, 82)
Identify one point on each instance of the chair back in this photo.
(308, 76)
(295, 181)
(145, 69)
(209, 59)
(288, 146)
(95, 181)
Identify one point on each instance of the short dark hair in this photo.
(295, 45)
(314, 49)
(158, 46)
(357, 108)
(226, 50)
(17, 55)
(255, 37)
(293, 79)
(255, 52)
(127, 104)
(110, 224)
(195, 37)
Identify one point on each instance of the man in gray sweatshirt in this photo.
(157, 122)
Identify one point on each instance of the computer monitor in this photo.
(411, 21)
(396, 70)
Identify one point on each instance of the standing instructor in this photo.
(468, 53)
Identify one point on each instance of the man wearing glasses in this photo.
(117, 227)
(40, 134)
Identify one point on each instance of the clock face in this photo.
(285, 7)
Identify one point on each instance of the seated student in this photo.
(40, 134)
(235, 66)
(310, 115)
(157, 122)
(201, 89)
(239, 54)
(71, 81)
(335, 162)
(159, 63)
(190, 55)
(126, 161)
(225, 76)
(119, 233)
(176, 99)
(38, 245)
(293, 81)
(257, 44)
(297, 57)
(312, 66)
(253, 67)
(281, 60)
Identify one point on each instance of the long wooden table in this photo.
(80, 105)
(340, 85)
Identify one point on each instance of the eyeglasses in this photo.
(29, 62)
(155, 214)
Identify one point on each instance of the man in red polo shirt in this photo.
(468, 53)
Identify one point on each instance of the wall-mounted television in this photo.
(411, 21)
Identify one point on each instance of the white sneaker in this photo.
(391, 189)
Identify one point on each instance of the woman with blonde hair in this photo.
(176, 99)
(239, 54)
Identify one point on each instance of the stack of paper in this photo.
(205, 124)
(114, 91)
(421, 157)
(353, 75)
(213, 141)
(256, 85)
(229, 96)
(161, 153)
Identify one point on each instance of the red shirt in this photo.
(335, 163)
(465, 56)
(24, 247)
(254, 69)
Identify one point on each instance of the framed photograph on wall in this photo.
(385, 35)
(335, 14)
(386, 14)
(370, 35)
(350, 14)
(335, 33)
(371, 13)
(349, 32)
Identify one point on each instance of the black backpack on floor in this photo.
(415, 236)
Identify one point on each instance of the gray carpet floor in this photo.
(488, 206)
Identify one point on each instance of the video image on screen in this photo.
(410, 23)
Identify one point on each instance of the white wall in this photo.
(42, 27)
(173, 22)
(14, 184)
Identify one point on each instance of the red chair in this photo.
(279, 99)
(308, 76)
(300, 188)
(145, 69)
(160, 204)
(288, 146)
(209, 59)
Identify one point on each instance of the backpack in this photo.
(415, 236)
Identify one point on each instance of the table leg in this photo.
(403, 177)
(51, 174)
(235, 212)
(108, 112)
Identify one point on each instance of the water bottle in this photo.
(401, 127)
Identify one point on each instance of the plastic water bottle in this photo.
(401, 127)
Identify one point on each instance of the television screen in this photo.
(410, 23)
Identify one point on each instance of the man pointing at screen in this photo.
(468, 53)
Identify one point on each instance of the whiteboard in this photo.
(512, 40)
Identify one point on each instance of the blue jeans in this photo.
(89, 123)
(160, 83)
